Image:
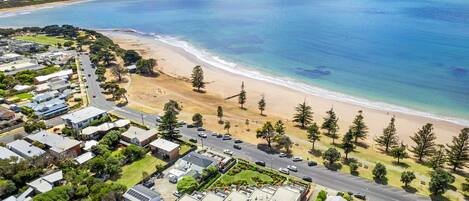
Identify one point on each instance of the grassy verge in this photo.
(132, 173)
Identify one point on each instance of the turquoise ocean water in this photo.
(407, 55)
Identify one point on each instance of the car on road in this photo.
(200, 129)
(292, 168)
(312, 163)
(177, 194)
(282, 155)
(236, 146)
(228, 152)
(308, 179)
(94, 96)
(297, 159)
(193, 140)
(219, 136)
(202, 135)
(238, 141)
(89, 75)
(284, 170)
(214, 134)
(261, 163)
(360, 196)
(226, 137)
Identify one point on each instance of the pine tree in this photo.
(242, 96)
(198, 78)
(425, 142)
(220, 114)
(279, 127)
(330, 125)
(359, 129)
(168, 125)
(304, 114)
(389, 137)
(347, 143)
(438, 159)
(227, 126)
(458, 151)
(313, 133)
(261, 105)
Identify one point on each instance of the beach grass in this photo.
(42, 39)
(132, 173)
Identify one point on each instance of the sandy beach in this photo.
(280, 100)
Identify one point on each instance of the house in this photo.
(138, 136)
(50, 108)
(89, 144)
(7, 154)
(335, 198)
(82, 118)
(85, 157)
(43, 97)
(192, 163)
(95, 132)
(165, 149)
(16, 66)
(10, 57)
(58, 146)
(65, 74)
(141, 193)
(9, 118)
(22, 88)
(25, 149)
(46, 183)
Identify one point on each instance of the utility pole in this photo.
(143, 121)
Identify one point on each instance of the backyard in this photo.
(132, 173)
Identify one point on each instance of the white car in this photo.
(282, 155)
(297, 159)
(292, 168)
(284, 170)
(202, 135)
(228, 152)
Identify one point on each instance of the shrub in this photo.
(322, 196)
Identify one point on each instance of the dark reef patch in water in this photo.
(459, 72)
(444, 12)
(320, 71)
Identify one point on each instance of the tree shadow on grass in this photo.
(383, 181)
(400, 164)
(409, 189)
(362, 144)
(333, 167)
(439, 198)
(265, 148)
(199, 91)
(315, 152)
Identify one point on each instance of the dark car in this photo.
(193, 140)
(226, 137)
(261, 163)
(89, 75)
(238, 141)
(236, 146)
(308, 179)
(200, 129)
(312, 163)
(219, 136)
(360, 196)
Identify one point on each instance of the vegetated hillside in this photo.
(21, 3)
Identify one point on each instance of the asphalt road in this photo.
(319, 174)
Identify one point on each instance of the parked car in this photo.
(292, 168)
(284, 170)
(190, 126)
(158, 119)
(236, 146)
(193, 140)
(297, 159)
(219, 136)
(228, 152)
(261, 163)
(238, 141)
(308, 179)
(202, 135)
(226, 137)
(214, 134)
(360, 196)
(89, 75)
(177, 194)
(312, 163)
(200, 129)
(282, 155)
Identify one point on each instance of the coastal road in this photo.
(319, 174)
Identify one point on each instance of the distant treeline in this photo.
(21, 3)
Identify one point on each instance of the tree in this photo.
(187, 185)
(379, 173)
(399, 152)
(119, 72)
(331, 155)
(133, 152)
(220, 114)
(407, 177)
(197, 78)
(304, 114)
(359, 129)
(7, 187)
(130, 57)
(330, 125)
(172, 106)
(111, 139)
(458, 152)
(279, 127)
(425, 142)
(33, 125)
(169, 124)
(347, 143)
(353, 168)
(440, 181)
(227, 126)
(120, 93)
(261, 104)
(55, 194)
(313, 133)
(389, 137)
(242, 96)
(284, 142)
(145, 66)
(106, 57)
(197, 120)
(438, 159)
(267, 133)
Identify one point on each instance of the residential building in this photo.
(165, 149)
(89, 144)
(82, 118)
(46, 183)
(10, 57)
(139, 136)
(85, 157)
(7, 154)
(43, 97)
(58, 146)
(22, 88)
(95, 132)
(65, 74)
(50, 108)
(25, 149)
(9, 118)
(191, 164)
(141, 193)
(16, 66)
(335, 198)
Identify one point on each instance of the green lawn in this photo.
(24, 96)
(184, 148)
(248, 177)
(42, 39)
(132, 173)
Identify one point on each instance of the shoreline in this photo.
(177, 61)
(8, 12)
